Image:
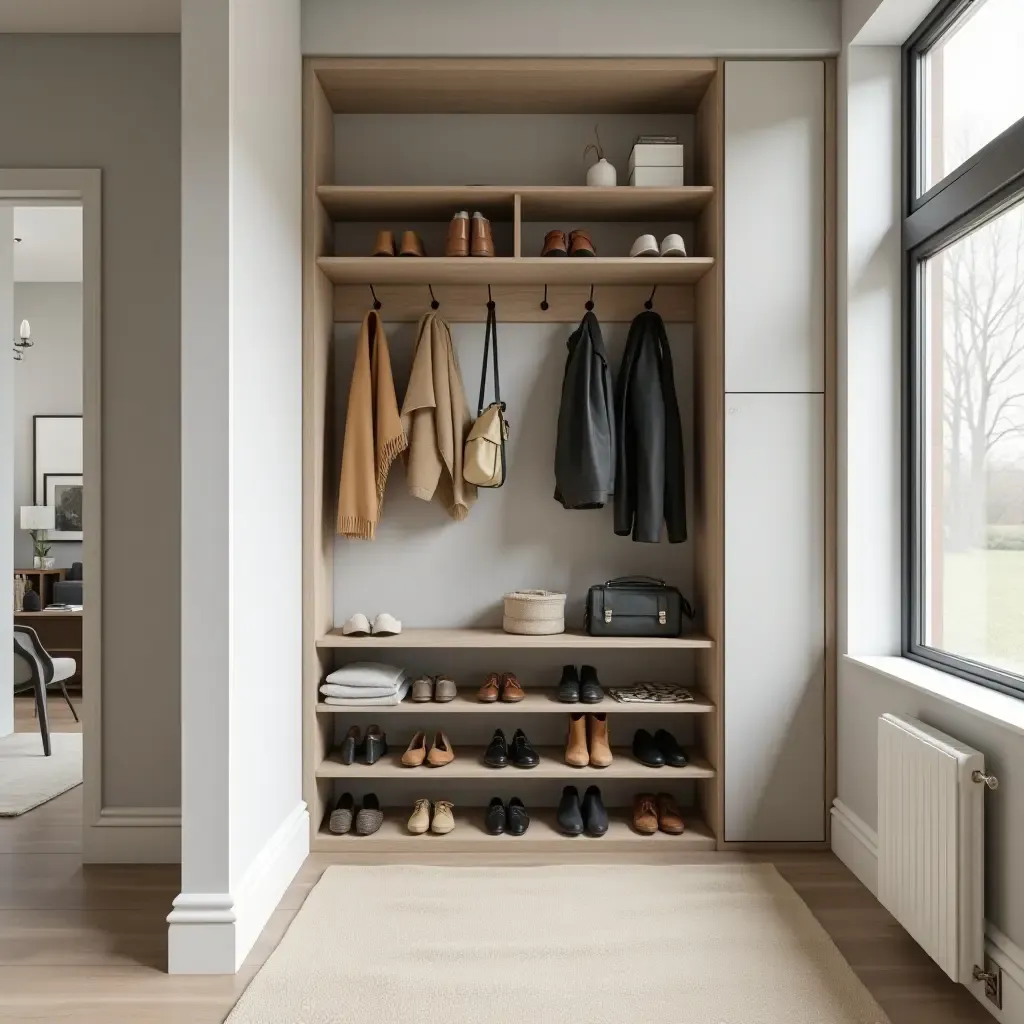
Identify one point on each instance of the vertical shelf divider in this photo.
(517, 226)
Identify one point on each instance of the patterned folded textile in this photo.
(395, 698)
(650, 693)
(375, 674)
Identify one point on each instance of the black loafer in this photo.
(518, 819)
(350, 745)
(646, 751)
(570, 814)
(496, 754)
(569, 685)
(494, 819)
(375, 745)
(595, 817)
(670, 749)
(590, 688)
(521, 754)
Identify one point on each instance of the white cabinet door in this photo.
(774, 225)
(774, 618)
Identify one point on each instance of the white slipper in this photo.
(673, 245)
(645, 245)
(386, 625)
(358, 625)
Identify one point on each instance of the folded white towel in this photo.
(358, 692)
(396, 698)
(367, 673)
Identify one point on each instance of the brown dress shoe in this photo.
(411, 245)
(645, 814)
(670, 818)
(457, 243)
(598, 741)
(576, 753)
(511, 691)
(580, 244)
(480, 241)
(441, 752)
(385, 244)
(488, 693)
(416, 753)
(555, 244)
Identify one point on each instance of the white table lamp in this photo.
(37, 519)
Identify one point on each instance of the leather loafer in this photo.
(494, 819)
(570, 815)
(670, 749)
(496, 754)
(375, 745)
(569, 685)
(590, 687)
(580, 244)
(646, 751)
(349, 749)
(521, 754)
(595, 817)
(517, 820)
(555, 244)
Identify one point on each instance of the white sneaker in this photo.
(386, 625)
(645, 245)
(673, 245)
(358, 625)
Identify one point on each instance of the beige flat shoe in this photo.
(444, 820)
(416, 753)
(441, 752)
(419, 820)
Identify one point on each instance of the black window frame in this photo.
(985, 185)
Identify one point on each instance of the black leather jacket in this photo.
(649, 483)
(585, 446)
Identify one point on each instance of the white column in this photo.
(8, 522)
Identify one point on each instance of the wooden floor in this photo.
(90, 944)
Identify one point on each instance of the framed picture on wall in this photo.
(64, 493)
(56, 448)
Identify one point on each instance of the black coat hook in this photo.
(376, 301)
(433, 302)
(589, 305)
(544, 301)
(649, 304)
(490, 301)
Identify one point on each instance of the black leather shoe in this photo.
(570, 814)
(646, 751)
(375, 745)
(496, 754)
(590, 688)
(595, 817)
(670, 750)
(569, 685)
(350, 745)
(518, 819)
(494, 819)
(521, 754)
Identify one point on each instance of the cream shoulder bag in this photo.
(483, 463)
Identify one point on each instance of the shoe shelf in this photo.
(498, 638)
(468, 764)
(542, 836)
(535, 702)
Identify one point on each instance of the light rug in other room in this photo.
(601, 944)
(29, 778)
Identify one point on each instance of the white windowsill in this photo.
(977, 700)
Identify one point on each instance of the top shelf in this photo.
(490, 637)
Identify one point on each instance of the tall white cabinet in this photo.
(774, 656)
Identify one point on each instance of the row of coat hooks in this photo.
(588, 305)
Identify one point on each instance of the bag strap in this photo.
(490, 338)
(626, 580)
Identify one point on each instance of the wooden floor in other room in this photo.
(90, 944)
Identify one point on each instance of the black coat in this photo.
(585, 445)
(649, 483)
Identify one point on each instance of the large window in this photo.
(964, 242)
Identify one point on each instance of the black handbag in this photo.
(636, 606)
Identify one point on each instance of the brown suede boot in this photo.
(457, 243)
(576, 753)
(599, 741)
(480, 241)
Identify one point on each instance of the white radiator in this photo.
(931, 817)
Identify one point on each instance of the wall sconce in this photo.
(23, 341)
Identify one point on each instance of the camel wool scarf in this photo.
(373, 434)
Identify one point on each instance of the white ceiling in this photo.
(90, 15)
(51, 243)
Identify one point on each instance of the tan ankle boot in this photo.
(576, 753)
(599, 741)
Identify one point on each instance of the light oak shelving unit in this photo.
(498, 638)
(536, 702)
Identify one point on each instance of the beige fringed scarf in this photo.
(373, 434)
(436, 419)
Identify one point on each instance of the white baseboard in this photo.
(212, 933)
(134, 835)
(855, 843)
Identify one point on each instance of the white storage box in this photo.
(647, 176)
(534, 613)
(649, 154)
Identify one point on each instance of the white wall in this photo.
(7, 367)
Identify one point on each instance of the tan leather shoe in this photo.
(441, 752)
(419, 820)
(411, 245)
(670, 818)
(444, 819)
(488, 693)
(416, 753)
(555, 244)
(457, 243)
(576, 753)
(580, 244)
(645, 814)
(511, 691)
(480, 241)
(599, 741)
(385, 244)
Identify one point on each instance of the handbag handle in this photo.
(490, 337)
(625, 580)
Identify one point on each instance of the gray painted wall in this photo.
(47, 381)
(7, 367)
(113, 102)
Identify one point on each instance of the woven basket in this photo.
(534, 613)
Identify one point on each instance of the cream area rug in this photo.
(28, 778)
(588, 944)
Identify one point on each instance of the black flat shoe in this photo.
(670, 749)
(590, 688)
(375, 745)
(521, 754)
(350, 746)
(496, 754)
(646, 751)
(518, 819)
(570, 814)
(569, 685)
(494, 819)
(595, 817)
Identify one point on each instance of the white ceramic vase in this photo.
(602, 174)
(43, 563)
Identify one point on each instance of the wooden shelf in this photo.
(536, 702)
(497, 638)
(424, 270)
(468, 764)
(541, 837)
